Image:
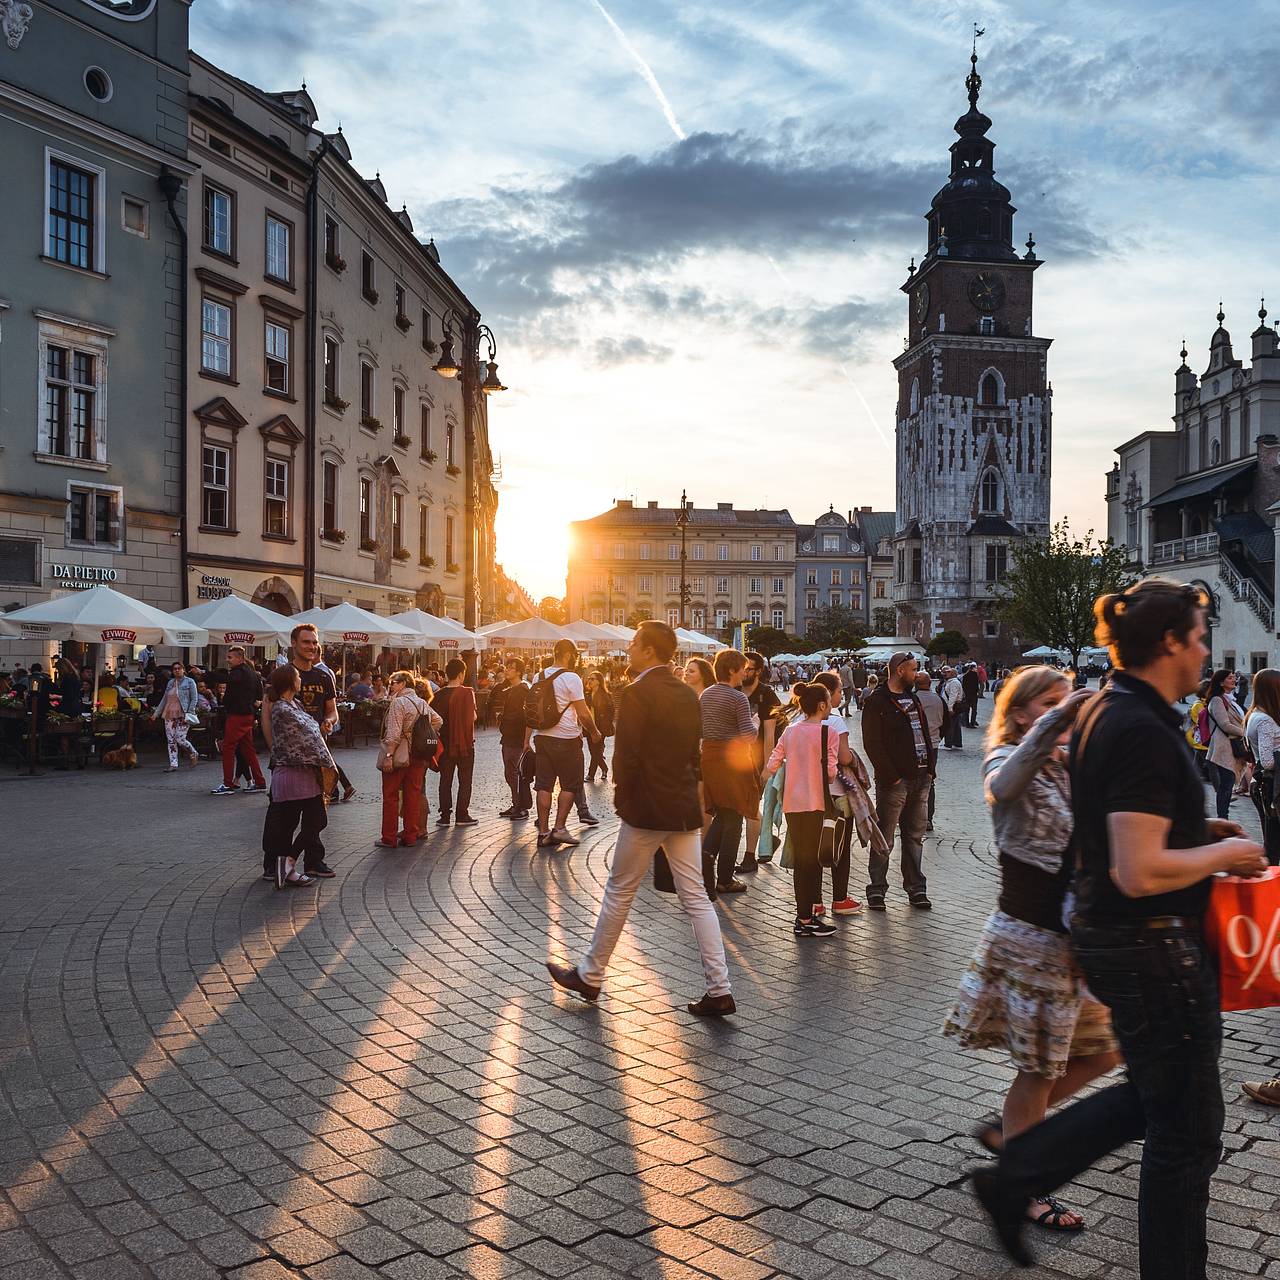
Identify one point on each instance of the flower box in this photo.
(334, 535)
(402, 441)
(336, 402)
(368, 544)
(370, 423)
(451, 568)
(404, 324)
(429, 455)
(370, 295)
(335, 261)
(401, 554)
(427, 562)
(430, 346)
(453, 469)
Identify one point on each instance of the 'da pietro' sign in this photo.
(83, 576)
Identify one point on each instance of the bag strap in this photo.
(828, 803)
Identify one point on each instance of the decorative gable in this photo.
(220, 412)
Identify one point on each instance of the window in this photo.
(779, 551)
(673, 617)
(366, 510)
(597, 583)
(597, 616)
(368, 279)
(397, 521)
(215, 337)
(778, 586)
(699, 551)
(697, 619)
(215, 482)
(754, 615)
(397, 413)
(98, 84)
(673, 585)
(597, 551)
(276, 489)
(277, 357)
(698, 586)
(424, 533)
(879, 590)
(917, 564)
(987, 325)
(332, 251)
(645, 551)
(755, 586)
(70, 392)
(997, 561)
(366, 389)
(219, 220)
(779, 618)
(330, 369)
(989, 499)
(836, 599)
(673, 551)
(1215, 450)
(73, 215)
(855, 577)
(402, 309)
(135, 216)
(279, 264)
(756, 551)
(722, 551)
(619, 551)
(989, 388)
(426, 326)
(449, 432)
(722, 618)
(990, 628)
(811, 600)
(831, 542)
(722, 586)
(424, 426)
(644, 584)
(855, 599)
(220, 145)
(836, 577)
(448, 542)
(93, 516)
(811, 578)
(328, 497)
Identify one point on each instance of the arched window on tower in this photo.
(984, 222)
(915, 396)
(1215, 453)
(989, 495)
(989, 389)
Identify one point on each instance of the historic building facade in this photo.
(974, 405)
(832, 568)
(1199, 503)
(739, 566)
(93, 134)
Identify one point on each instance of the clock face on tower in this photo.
(922, 302)
(986, 291)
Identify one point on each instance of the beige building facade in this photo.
(740, 565)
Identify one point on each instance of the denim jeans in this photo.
(1224, 783)
(1162, 990)
(903, 805)
(720, 848)
(463, 767)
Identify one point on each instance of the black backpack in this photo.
(423, 739)
(541, 711)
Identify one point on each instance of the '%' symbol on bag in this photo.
(1244, 940)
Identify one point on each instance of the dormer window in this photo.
(989, 495)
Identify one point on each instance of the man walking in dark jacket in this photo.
(972, 686)
(244, 693)
(655, 756)
(511, 726)
(895, 732)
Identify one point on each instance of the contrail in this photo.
(645, 70)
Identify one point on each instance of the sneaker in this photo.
(815, 928)
(173, 768)
(745, 868)
(508, 812)
(223, 790)
(466, 821)
(588, 820)
(442, 820)
(846, 907)
(322, 871)
(819, 910)
(734, 886)
(1267, 1091)
(875, 901)
(921, 902)
(560, 835)
(267, 876)
(298, 881)
(254, 787)
(284, 867)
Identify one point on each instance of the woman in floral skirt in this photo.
(1023, 992)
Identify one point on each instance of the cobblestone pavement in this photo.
(200, 1076)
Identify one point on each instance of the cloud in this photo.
(612, 351)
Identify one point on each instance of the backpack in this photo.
(1204, 730)
(541, 711)
(424, 743)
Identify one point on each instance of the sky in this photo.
(687, 222)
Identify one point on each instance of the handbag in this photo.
(191, 718)
(832, 834)
(1242, 929)
(1239, 746)
(663, 880)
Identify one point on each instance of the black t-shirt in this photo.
(317, 689)
(764, 703)
(1135, 759)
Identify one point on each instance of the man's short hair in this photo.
(454, 668)
(300, 628)
(513, 661)
(659, 637)
(728, 661)
(236, 648)
(756, 659)
(563, 651)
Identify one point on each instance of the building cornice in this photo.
(974, 342)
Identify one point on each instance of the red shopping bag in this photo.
(1242, 927)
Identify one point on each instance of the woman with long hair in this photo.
(600, 701)
(1023, 991)
(1225, 728)
(404, 774)
(699, 675)
(301, 770)
(1262, 731)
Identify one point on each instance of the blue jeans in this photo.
(720, 848)
(1162, 990)
(1224, 783)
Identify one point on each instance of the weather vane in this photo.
(977, 31)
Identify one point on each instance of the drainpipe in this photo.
(170, 186)
(309, 402)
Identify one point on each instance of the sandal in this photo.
(1051, 1218)
(990, 1134)
(298, 881)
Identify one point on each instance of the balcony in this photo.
(1203, 546)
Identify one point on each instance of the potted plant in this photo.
(403, 323)
(333, 401)
(370, 423)
(451, 568)
(368, 544)
(429, 455)
(453, 469)
(334, 535)
(370, 295)
(336, 261)
(402, 441)
(401, 553)
(427, 562)
(430, 346)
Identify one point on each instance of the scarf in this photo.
(296, 740)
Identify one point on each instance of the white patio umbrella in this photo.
(619, 631)
(1044, 651)
(234, 620)
(695, 640)
(590, 633)
(101, 615)
(347, 623)
(432, 632)
(530, 633)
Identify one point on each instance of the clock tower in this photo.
(973, 413)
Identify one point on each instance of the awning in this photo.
(1202, 485)
(994, 526)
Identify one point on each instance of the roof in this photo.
(1251, 531)
(995, 526)
(703, 517)
(1210, 482)
(876, 525)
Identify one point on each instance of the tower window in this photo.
(989, 498)
(987, 326)
(989, 387)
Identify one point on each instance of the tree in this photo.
(835, 626)
(884, 621)
(552, 609)
(769, 640)
(947, 644)
(1048, 594)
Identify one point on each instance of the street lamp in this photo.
(682, 523)
(471, 334)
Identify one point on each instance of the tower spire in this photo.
(973, 81)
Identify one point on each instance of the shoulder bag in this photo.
(832, 837)
(1239, 746)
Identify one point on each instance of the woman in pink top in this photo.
(804, 799)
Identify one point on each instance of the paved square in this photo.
(202, 1076)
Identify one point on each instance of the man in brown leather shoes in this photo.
(655, 756)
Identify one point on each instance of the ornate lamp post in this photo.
(682, 523)
(471, 334)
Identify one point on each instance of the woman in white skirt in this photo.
(1023, 992)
